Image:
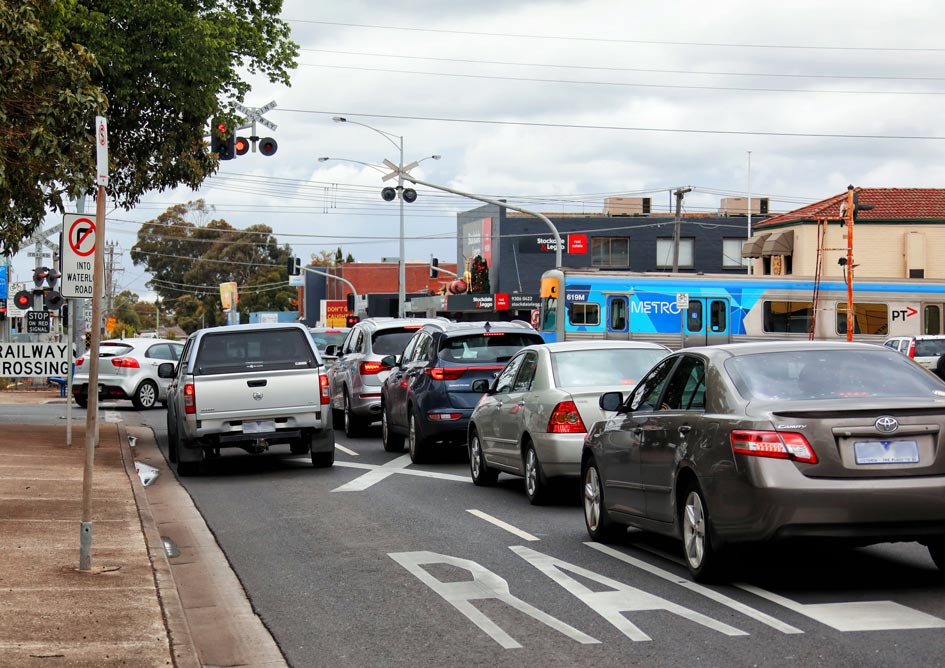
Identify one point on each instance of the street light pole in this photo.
(402, 264)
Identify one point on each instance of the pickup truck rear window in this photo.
(391, 341)
(254, 350)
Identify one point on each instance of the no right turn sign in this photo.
(78, 255)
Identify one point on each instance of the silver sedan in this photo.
(532, 420)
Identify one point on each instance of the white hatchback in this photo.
(127, 369)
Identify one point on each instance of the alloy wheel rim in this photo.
(474, 454)
(531, 472)
(146, 396)
(412, 436)
(592, 499)
(694, 530)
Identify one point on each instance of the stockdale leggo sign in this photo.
(18, 360)
(78, 255)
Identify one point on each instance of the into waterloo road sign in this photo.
(78, 255)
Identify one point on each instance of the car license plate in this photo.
(886, 452)
(259, 427)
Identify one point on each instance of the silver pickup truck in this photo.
(251, 387)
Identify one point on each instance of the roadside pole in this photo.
(91, 432)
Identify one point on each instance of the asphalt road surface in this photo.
(377, 562)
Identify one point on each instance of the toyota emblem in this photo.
(887, 424)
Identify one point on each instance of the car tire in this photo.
(415, 442)
(323, 460)
(81, 400)
(393, 442)
(702, 557)
(600, 527)
(937, 552)
(145, 397)
(482, 475)
(353, 424)
(536, 485)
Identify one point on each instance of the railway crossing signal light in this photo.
(3, 309)
(52, 300)
(434, 272)
(241, 145)
(389, 194)
(222, 141)
(294, 266)
(268, 146)
(410, 195)
(23, 300)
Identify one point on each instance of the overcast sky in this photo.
(556, 105)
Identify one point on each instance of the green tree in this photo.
(165, 68)
(350, 258)
(339, 257)
(123, 310)
(47, 107)
(189, 261)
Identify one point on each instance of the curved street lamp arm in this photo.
(337, 278)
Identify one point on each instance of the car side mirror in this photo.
(166, 370)
(389, 361)
(480, 385)
(331, 350)
(610, 401)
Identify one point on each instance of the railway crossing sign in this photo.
(78, 255)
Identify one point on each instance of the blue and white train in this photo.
(683, 310)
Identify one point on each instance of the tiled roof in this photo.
(890, 203)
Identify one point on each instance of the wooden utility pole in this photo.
(851, 209)
(679, 197)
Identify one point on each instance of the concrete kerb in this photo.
(183, 650)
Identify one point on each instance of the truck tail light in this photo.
(80, 361)
(565, 419)
(371, 368)
(775, 444)
(323, 388)
(125, 362)
(190, 399)
(912, 349)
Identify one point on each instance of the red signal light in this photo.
(23, 299)
(241, 145)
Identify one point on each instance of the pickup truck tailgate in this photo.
(248, 394)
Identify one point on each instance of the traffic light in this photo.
(294, 266)
(221, 140)
(268, 146)
(434, 272)
(241, 145)
(23, 300)
(351, 320)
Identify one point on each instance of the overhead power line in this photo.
(610, 40)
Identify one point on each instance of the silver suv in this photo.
(358, 374)
(924, 349)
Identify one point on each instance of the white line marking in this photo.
(347, 451)
(377, 473)
(502, 525)
(699, 589)
(856, 615)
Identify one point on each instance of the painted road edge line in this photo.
(502, 525)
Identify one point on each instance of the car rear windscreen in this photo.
(108, 349)
(929, 347)
(830, 374)
(486, 347)
(603, 366)
(391, 341)
(254, 350)
(325, 339)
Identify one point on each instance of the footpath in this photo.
(142, 603)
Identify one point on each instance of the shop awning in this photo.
(752, 247)
(779, 243)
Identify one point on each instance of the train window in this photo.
(618, 314)
(610, 252)
(583, 313)
(867, 319)
(932, 319)
(694, 317)
(718, 315)
(785, 317)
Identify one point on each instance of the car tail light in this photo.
(446, 373)
(444, 416)
(80, 361)
(565, 419)
(912, 349)
(125, 362)
(371, 368)
(190, 399)
(775, 444)
(323, 388)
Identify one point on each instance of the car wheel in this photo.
(418, 451)
(482, 475)
(145, 396)
(701, 557)
(600, 527)
(937, 552)
(323, 460)
(352, 422)
(393, 442)
(536, 486)
(81, 400)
